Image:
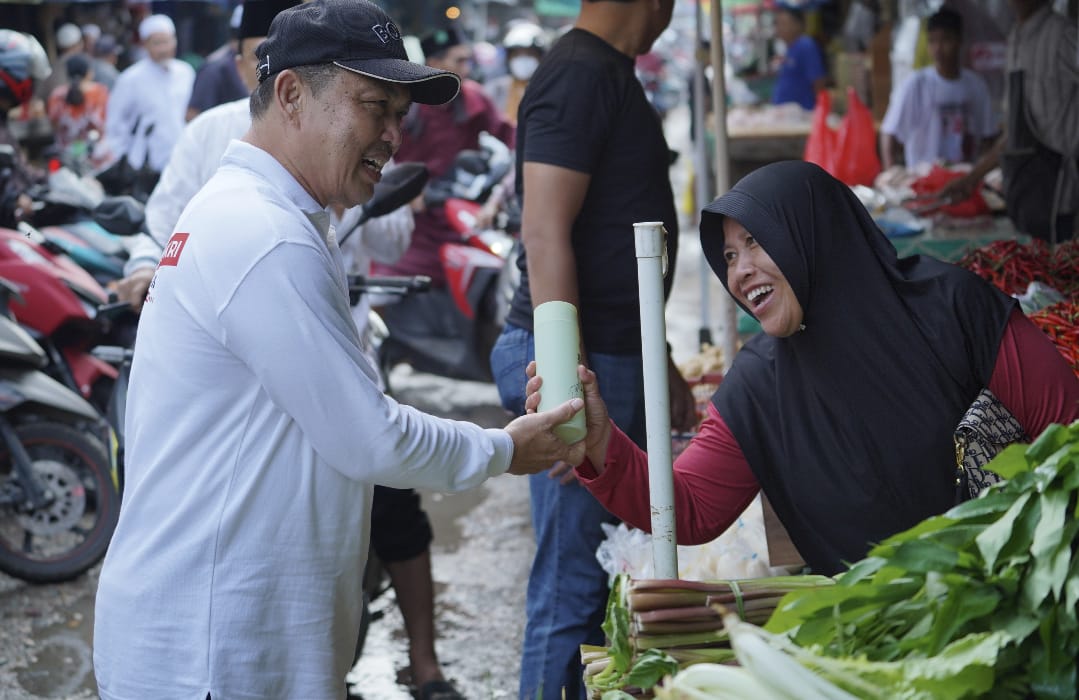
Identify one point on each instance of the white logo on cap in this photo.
(387, 32)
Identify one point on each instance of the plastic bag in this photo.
(856, 161)
(821, 142)
(937, 178)
(1037, 297)
(740, 552)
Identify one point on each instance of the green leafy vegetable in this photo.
(980, 601)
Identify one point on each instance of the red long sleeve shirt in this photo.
(713, 482)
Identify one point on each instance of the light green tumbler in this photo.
(558, 352)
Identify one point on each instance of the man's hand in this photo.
(597, 422)
(132, 288)
(959, 189)
(536, 447)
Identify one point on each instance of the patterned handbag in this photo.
(985, 429)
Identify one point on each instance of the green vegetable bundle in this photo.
(978, 602)
(656, 626)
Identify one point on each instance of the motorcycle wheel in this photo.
(69, 535)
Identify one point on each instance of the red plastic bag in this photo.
(821, 142)
(856, 161)
(938, 177)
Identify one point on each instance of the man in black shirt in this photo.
(591, 161)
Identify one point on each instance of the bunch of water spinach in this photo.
(978, 602)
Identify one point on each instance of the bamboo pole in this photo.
(702, 193)
(728, 317)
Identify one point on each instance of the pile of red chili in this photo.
(1061, 323)
(1012, 266)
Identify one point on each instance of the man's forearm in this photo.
(552, 272)
(989, 159)
(887, 150)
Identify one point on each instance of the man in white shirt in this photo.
(401, 532)
(942, 112)
(148, 102)
(256, 429)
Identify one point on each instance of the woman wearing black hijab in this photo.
(843, 411)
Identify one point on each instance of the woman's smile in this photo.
(758, 284)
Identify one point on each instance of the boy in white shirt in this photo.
(942, 112)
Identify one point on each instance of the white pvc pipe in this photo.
(649, 238)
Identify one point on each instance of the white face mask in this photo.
(522, 67)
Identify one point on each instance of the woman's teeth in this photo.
(758, 292)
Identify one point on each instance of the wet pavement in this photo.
(480, 560)
(480, 555)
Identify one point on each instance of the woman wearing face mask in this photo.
(843, 411)
(525, 44)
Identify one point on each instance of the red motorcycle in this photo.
(480, 271)
(61, 307)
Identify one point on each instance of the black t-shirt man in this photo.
(585, 110)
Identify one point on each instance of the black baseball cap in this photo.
(355, 35)
(256, 16)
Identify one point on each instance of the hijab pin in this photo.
(801, 326)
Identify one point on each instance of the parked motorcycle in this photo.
(60, 306)
(480, 271)
(59, 494)
(63, 213)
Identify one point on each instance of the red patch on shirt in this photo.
(171, 256)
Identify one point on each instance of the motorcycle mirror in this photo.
(124, 216)
(471, 161)
(397, 188)
(9, 291)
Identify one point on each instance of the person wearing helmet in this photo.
(524, 44)
(22, 62)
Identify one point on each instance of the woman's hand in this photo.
(597, 422)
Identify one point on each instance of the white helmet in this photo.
(525, 35)
(22, 61)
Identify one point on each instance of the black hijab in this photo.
(848, 423)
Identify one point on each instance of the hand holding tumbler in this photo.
(558, 352)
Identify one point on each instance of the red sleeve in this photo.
(712, 482)
(1032, 379)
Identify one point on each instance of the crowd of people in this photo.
(264, 456)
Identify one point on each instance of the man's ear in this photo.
(288, 92)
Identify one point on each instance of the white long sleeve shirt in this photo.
(148, 94)
(194, 160)
(383, 239)
(256, 432)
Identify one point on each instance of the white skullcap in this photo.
(156, 24)
(91, 31)
(68, 35)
